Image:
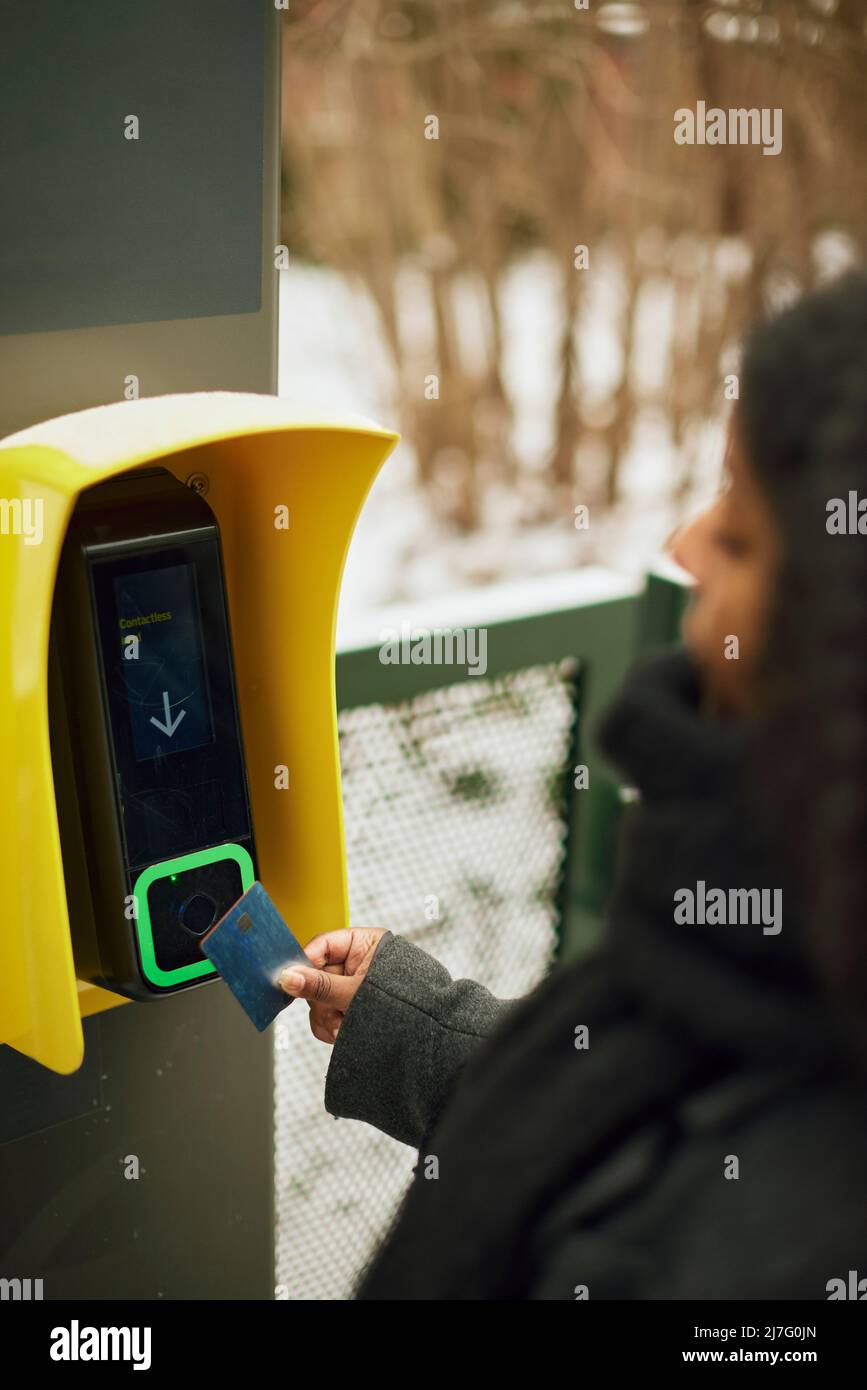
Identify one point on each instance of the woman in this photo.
(684, 1113)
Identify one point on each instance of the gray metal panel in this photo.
(44, 374)
(186, 1086)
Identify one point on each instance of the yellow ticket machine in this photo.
(169, 576)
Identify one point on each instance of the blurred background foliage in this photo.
(555, 130)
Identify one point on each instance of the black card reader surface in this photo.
(153, 802)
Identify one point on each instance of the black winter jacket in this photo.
(679, 1115)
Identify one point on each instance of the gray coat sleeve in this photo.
(403, 1040)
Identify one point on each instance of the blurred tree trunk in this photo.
(555, 131)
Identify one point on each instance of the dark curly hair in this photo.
(802, 423)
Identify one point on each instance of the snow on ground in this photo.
(331, 351)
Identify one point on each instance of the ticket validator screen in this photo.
(161, 661)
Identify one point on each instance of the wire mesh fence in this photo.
(455, 813)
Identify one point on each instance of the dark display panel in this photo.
(99, 228)
(175, 797)
(163, 673)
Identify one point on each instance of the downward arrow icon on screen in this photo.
(171, 724)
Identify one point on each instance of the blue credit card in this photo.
(250, 947)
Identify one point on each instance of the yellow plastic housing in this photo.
(259, 455)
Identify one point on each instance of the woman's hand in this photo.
(339, 961)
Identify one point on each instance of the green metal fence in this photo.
(603, 633)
